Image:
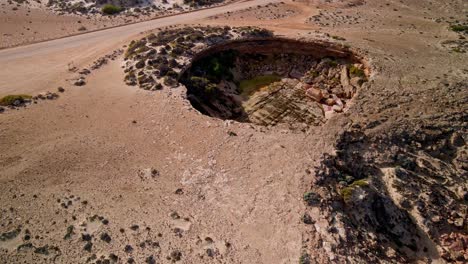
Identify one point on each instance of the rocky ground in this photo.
(107, 173)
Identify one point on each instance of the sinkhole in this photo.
(274, 81)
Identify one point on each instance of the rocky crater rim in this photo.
(248, 74)
(274, 80)
(278, 44)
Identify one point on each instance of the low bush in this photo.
(110, 9)
(304, 259)
(311, 198)
(347, 192)
(355, 71)
(459, 28)
(11, 99)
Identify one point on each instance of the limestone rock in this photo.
(345, 82)
(337, 108)
(314, 93)
(330, 101)
(283, 103)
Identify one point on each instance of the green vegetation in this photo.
(347, 192)
(255, 32)
(135, 47)
(313, 73)
(304, 259)
(333, 63)
(10, 99)
(216, 67)
(355, 71)
(306, 219)
(201, 2)
(248, 87)
(202, 84)
(458, 50)
(69, 233)
(459, 28)
(110, 9)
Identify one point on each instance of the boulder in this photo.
(315, 94)
(330, 101)
(338, 108)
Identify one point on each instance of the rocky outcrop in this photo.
(401, 193)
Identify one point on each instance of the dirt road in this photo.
(37, 67)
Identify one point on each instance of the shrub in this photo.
(459, 28)
(355, 71)
(110, 9)
(134, 47)
(10, 99)
(333, 63)
(347, 192)
(304, 259)
(306, 219)
(311, 198)
(172, 74)
(458, 50)
(173, 63)
(176, 51)
(163, 70)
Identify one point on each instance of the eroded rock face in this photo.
(283, 102)
(399, 193)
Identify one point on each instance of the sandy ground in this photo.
(22, 24)
(240, 196)
(29, 25)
